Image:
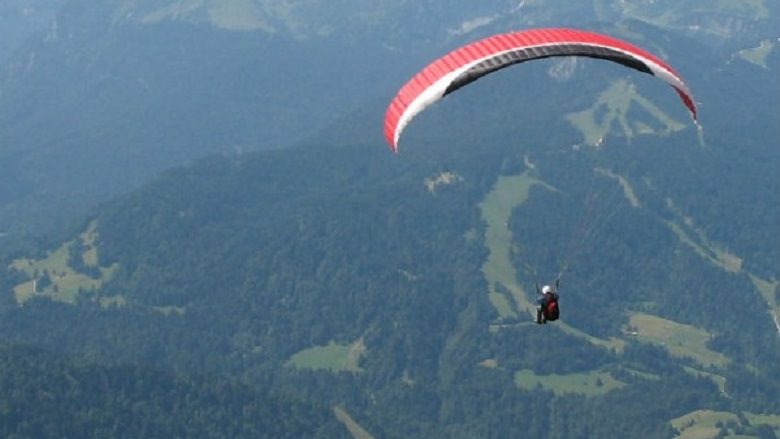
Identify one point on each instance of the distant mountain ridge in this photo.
(735, 21)
(107, 94)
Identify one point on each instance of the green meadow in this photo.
(591, 383)
(710, 424)
(508, 193)
(333, 357)
(64, 282)
(610, 112)
(678, 339)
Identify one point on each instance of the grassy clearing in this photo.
(702, 424)
(63, 282)
(707, 424)
(591, 383)
(508, 193)
(758, 55)
(614, 103)
(238, 15)
(678, 339)
(767, 290)
(353, 427)
(333, 357)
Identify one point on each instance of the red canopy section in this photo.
(473, 61)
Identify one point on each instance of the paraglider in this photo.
(548, 309)
(473, 61)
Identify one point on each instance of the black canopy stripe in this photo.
(538, 52)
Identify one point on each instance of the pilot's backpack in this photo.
(552, 311)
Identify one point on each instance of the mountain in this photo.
(401, 23)
(94, 108)
(97, 97)
(399, 288)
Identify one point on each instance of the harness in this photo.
(552, 312)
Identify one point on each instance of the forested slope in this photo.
(46, 396)
(337, 275)
(399, 287)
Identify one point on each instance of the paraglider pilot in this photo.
(548, 304)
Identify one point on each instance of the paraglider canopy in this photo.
(473, 61)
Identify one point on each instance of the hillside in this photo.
(46, 396)
(93, 110)
(356, 278)
(98, 97)
(396, 290)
